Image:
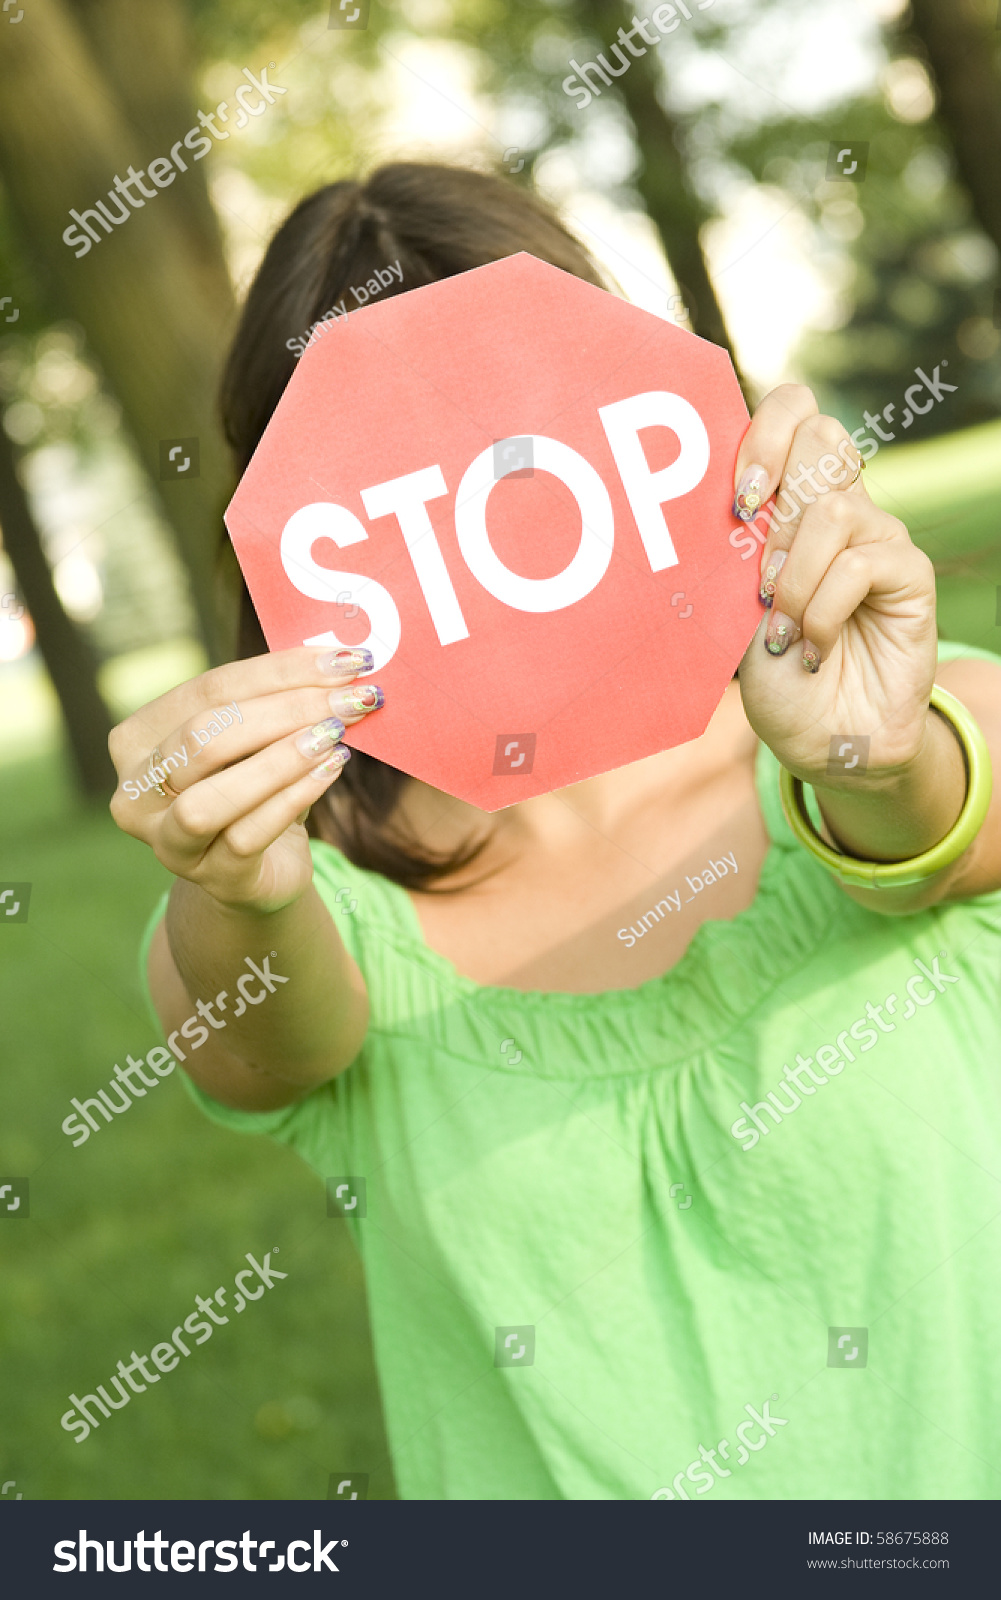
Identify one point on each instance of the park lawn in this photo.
(161, 1205)
(158, 1206)
(948, 492)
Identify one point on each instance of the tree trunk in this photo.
(961, 46)
(674, 208)
(152, 295)
(70, 662)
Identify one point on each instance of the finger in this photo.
(251, 835)
(302, 667)
(832, 533)
(189, 825)
(821, 458)
(854, 576)
(765, 446)
(191, 753)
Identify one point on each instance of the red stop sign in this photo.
(515, 489)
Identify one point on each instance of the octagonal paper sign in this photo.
(516, 490)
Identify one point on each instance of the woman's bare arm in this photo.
(257, 994)
(289, 1036)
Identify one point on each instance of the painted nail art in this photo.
(335, 761)
(811, 657)
(340, 663)
(320, 737)
(750, 495)
(781, 632)
(770, 576)
(360, 697)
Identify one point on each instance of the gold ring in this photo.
(858, 473)
(155, 765)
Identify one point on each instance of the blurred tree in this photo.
(914, 292)
(961, 44)
(674, 205)
(524, 57)
(65, 651)
(87, 90)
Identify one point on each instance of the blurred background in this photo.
(817, 188)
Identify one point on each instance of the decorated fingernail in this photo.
(811, 657)
(339, 663)
(335, 761)
(780, 634)
(320, 737)
(360, 697)
(750, 495)
(770, 577)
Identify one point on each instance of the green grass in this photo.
(157, 1207)
(948, 492)
(161, 1205)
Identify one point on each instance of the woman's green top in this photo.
(735, 1232)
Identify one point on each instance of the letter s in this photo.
(65, 1548)
(581, 89)
(193, 1318)
(697, 1473)
(866, 454)
(743, 540)
(324, 520)
(226, 1548)
(74, 1124)
(71, 1428)
(77, 236)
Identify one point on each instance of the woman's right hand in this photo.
(234, 825)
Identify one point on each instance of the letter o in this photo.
(594, 552)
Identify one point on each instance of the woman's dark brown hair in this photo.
(435, 220)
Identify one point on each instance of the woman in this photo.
(617, 1245)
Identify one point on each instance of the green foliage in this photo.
(918, 289)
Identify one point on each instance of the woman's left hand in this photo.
(849, 646)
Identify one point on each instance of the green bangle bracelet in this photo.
(858, 874)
